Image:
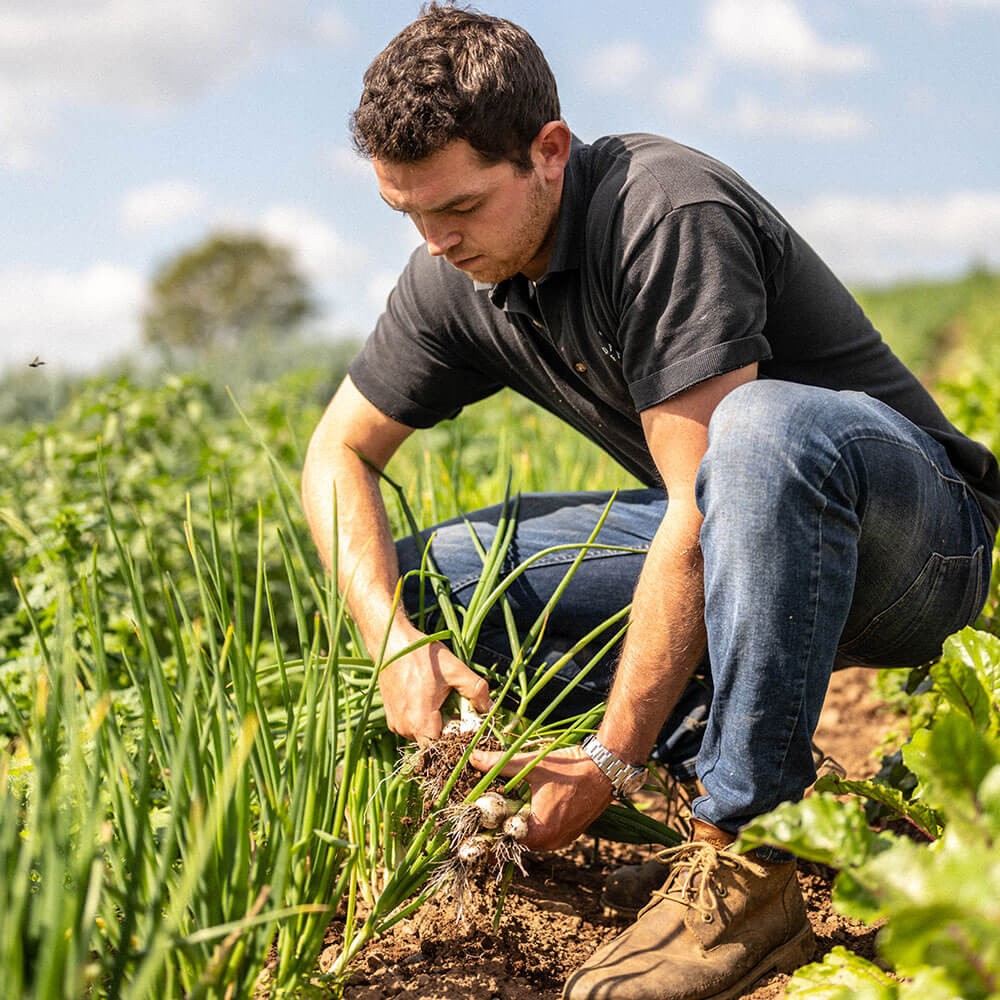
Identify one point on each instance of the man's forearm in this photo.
(367, 567)
(665, 641)
(664, 645)
(341, 496)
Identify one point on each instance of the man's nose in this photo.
(441, 239)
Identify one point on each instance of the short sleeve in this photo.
(415, 366)
(694, 302)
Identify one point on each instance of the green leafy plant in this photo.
(200, 833)
(938, 894)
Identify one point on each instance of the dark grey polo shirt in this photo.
(667, 269)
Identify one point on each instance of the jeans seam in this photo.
(817, 569)
(906, 446)
(793, 722)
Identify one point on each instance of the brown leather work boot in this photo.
(719, 923)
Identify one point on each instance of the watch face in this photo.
(632, 784)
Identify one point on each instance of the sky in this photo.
(131, 129)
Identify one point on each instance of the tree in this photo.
(228, 286)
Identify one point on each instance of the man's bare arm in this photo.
(666, 637)
(413, 687)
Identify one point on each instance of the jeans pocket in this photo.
(947, 595)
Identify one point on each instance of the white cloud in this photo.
(884, 238)
(753, 117)
(767, 36)
(146, 56)
(689, 95)
(948, 6)
(23, 128)
(774, 35)
(378, 288)
(616, 68)
(70, 319)
(156, 206)
(322, 252)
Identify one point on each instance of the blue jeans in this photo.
(835, 533)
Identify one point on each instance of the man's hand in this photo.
(415, 687)
(568, 793)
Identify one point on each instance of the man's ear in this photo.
(550, 149)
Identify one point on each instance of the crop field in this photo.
(197, 778)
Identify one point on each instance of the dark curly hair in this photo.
(455, 73)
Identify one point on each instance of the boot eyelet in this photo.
(707, 918)
(721, 891)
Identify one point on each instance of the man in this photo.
(808, 504)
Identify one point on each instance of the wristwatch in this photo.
(626, 779)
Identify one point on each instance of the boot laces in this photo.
(696, 877)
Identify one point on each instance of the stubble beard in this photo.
(526, 243)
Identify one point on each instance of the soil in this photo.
(553, 919)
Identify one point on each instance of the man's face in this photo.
(489, 220)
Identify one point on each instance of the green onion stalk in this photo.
(411, 854)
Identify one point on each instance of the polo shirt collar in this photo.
(569, 228)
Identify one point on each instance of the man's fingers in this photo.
(484, 760)
(471, 687)
(540, 837)
(428, 730)
(465, 681)
(424, 728)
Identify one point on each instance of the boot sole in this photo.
(790, 956)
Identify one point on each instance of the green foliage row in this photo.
(937, 890)
(940, 329)
(161, 448)
(181, 698)
(166, 851)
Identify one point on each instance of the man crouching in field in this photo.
(808, 505)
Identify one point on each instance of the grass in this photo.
(188, 830)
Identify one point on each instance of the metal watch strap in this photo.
(625, 778)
